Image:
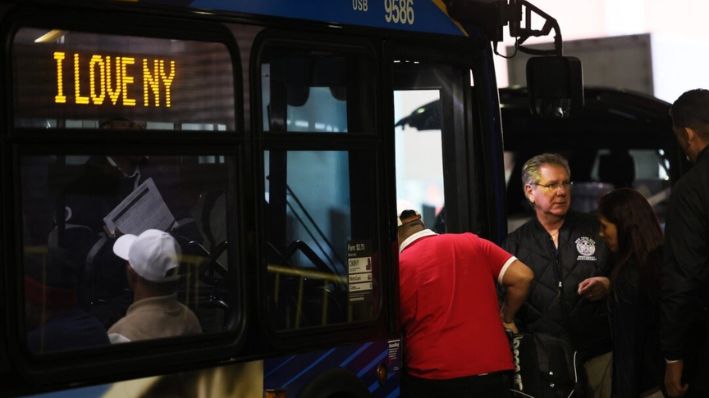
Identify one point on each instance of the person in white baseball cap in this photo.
(154, 254)
(153, 259)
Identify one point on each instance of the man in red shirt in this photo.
(454, 328)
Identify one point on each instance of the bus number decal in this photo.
(399, 11)
(113, 77)
(360, 5)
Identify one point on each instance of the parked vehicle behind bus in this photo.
(619, 139)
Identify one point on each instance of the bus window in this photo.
(74, 210)
(322, 266)
(419, 157)
(77, 80)
(321, 221)
(430, 138)
(319, 88)
(75, 207)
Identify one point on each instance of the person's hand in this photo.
(594, 288)
(511, 327)
(673, 379)
(508, 325)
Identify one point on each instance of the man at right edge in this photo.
(685, 275)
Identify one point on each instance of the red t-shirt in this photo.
(449, 306)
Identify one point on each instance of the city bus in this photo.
(261, 136)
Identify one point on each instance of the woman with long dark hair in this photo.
(630, 229)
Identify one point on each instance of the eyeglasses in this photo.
(556, 185)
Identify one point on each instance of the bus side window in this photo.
(319, 203)
(307, 256)
(133, 97)
(430, 137)
(75, 209)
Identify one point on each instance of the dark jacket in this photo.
(69, 330)
(635, 328)
(581, 254)
(685, 273)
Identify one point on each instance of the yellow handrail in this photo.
(306, 273)
(301, 273)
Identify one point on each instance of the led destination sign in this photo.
(81, 79)
(112, 80)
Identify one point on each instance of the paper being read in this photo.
(142, 209)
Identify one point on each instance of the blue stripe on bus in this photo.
(371, 364)
(373, 386)
(280, 365)
(354, 355)
(84, 392)
(307, 368)
(421, 15)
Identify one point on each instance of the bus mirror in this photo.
(555, 85)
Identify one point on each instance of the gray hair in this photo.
(530, 170)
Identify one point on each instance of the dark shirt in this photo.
(634, 317)
(69, 330)
(685, 273)
(581, 254)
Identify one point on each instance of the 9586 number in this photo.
(399, 11)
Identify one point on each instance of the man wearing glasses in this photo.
(570, 265)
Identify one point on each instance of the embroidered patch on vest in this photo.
(586, 248)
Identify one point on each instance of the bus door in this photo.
(437, 169)
(322, 213)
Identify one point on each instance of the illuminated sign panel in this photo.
(92, 77)
(114, 77)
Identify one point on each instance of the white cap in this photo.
(152, 254)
